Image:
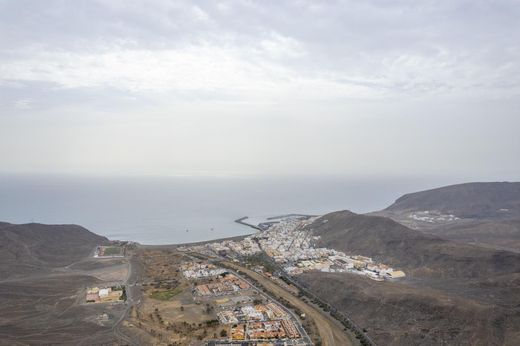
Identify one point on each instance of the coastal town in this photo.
(292, 246)
(209, 294)
(201, 293)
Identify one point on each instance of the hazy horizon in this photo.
(154, 210)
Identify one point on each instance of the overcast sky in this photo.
(268, 87)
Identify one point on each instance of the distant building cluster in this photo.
(259, 312)
(194, 270)
(290, 244)
(246, 247)
(432, 216)
(341, 263)
(225, 284)
(268, 330)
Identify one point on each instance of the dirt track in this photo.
(331, 333)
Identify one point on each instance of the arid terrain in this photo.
(167, 314)
(485, 214)
(45, 271)
(455, 291)
(170, 314)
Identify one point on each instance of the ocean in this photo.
(177, 210)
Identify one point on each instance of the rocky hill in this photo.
(409, 313)
(41, 297)
(30, 248)
(485, 214)
(453, 294)
(391, 242)
(470, 200)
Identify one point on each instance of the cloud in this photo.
(245, 85)
(261, 72)
(23, 104)
(246, 72)
(282, 47)
(258, 51)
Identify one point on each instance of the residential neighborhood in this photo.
(247, 314)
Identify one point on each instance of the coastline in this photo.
(203, 242)
(240, 221)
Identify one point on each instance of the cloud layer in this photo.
(75, 63)
(362, 49)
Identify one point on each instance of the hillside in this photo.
(485, 214)
(33, 247)
(497, 234)
(453, 294)
(470, 200)
(403, 313)
(41, 299)
(391, 242)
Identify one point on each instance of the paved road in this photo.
(133, 297)
(331, 334)
(305, 337)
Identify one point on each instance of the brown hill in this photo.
(470, 200)
(30, 248)
(391, 242)
(488, 214)
(41, 298)
(401, 313)
(498, 234)
(454, 294)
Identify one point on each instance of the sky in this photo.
(360, 88)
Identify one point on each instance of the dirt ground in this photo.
(169, 320)
(51, 310)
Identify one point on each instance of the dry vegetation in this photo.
(168, 315)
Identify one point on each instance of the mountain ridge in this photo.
(474, 200)
(483, 213)
(32, 247)
(391, 242)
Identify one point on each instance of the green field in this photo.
(112, 251)
(166, 295)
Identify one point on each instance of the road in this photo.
(331, 333)
(133, 297)
(303, 332)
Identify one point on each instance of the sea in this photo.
(184, 209)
